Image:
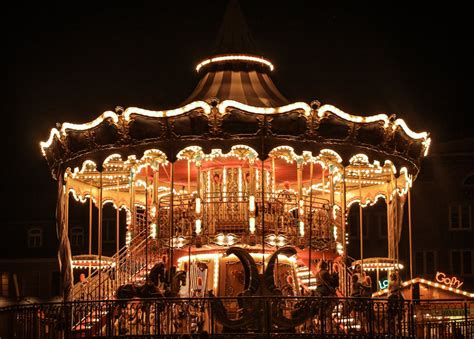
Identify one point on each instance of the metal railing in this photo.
(229, 213)
(129, 262)
(239, 316)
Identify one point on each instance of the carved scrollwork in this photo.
(264, 124)
(123, 131)
(215, 118)
(312, 120)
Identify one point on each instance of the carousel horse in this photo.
(160, 283)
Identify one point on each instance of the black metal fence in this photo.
(241, 316)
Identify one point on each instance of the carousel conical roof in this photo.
(236, 70)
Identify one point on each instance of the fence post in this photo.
(412, 321)
(370, 313)
(466, 326)
(322, 322)
(67, 320)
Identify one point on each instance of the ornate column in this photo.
(301, 223)
(198, 204)
(252, 206)
(99, 232)
(64, 251)
(361, 235)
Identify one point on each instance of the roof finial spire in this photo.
(234, 35)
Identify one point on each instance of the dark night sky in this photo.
(73, 63)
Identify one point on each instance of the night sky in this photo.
(73, 63)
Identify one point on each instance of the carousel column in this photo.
(273, 176)
(387, 205)
(189, 176)
(301, 224)
(132, 224)
(396, 223)
(390, 222)
(390, 218)
(361, 235)
(99, 233)
(198, 206)
(146, 222)
(331, 197)
(410, 236)
(132, 206)
(323, 183)
(171, 216)
(344, 230)
(90, 229)
(156, 178)
(117, 235)
(252, 207)
(311, 215)
(262, 181)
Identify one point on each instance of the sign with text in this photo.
(448, 281)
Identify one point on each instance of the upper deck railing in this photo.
(275, 213)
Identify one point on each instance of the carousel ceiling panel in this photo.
(292, 123)
(146, 128)
(192, 123)
(372, 134)
(238, 122)
(334, 128)
(106, 134)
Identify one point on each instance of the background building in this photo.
(442, 216)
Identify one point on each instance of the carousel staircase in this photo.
(130, 267)
(306, 278)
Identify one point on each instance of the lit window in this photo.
(108, 230)
(469, 187)
(35, 237)
(381, 219)
(461, 262)
(30, 283)
(354, 222)
(4, 284)
(425, 262)
(460, 217)
(77, 236)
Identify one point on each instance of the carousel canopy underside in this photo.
(222, 125)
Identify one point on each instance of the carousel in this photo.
(238, 192)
